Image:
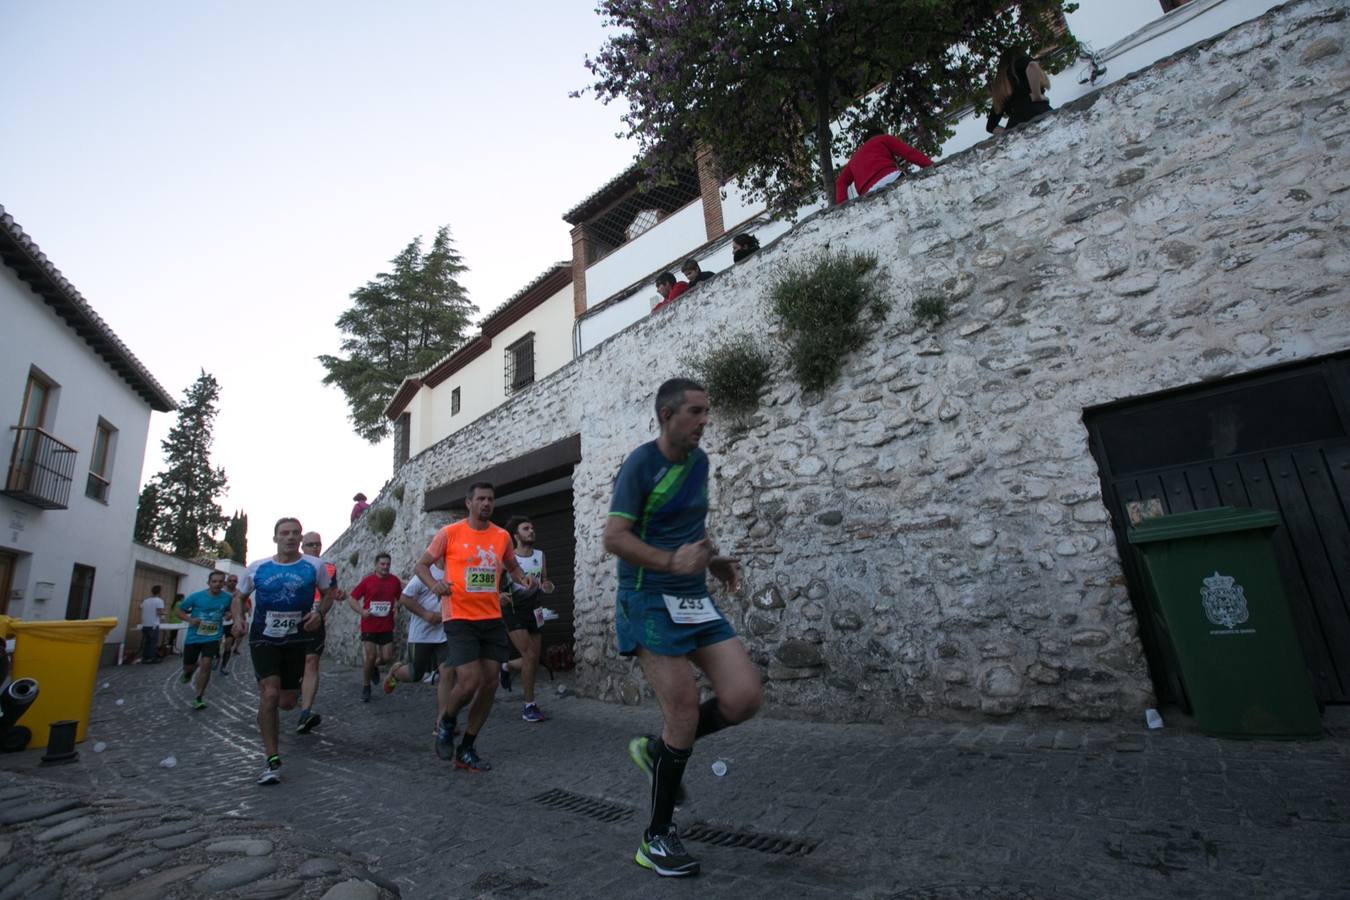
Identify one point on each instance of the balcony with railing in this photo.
(40, 469)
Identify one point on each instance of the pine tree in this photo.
(236, 535)
(186, 490)
(147, 514)
(399, 323)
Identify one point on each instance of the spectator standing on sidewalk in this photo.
(1017, 91)
(664, 615)
(375, 601)
(875, 164)
(204, 611)
(152, 613)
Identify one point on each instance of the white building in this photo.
(75, 405)
(518, 343)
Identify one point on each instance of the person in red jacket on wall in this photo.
(669, 289)
(874, 164)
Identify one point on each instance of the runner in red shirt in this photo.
(375, 600)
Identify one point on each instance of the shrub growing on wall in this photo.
(827, 303)
(381, 519)
(734, 371)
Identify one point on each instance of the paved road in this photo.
(926, 810)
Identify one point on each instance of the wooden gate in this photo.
(1278, 440)
(144, 578)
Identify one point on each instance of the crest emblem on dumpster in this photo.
(1225, 602)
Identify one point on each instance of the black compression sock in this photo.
(667, 772)
(467, 743)
(710, 718)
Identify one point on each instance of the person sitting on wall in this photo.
(693, 273)
(668, 288)
(874, 164)
(1017, 91)
(742, 245)
(360, 507)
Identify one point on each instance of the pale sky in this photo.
(216, 178)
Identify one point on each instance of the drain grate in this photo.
(700, 832)
(586, 806)
(747, 840)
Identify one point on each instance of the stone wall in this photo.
(929, 537)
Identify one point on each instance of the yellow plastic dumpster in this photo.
(63, 656)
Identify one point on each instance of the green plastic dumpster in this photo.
(1218, 594)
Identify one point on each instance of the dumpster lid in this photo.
(1201, 523)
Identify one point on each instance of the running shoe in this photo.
(390, 683)
(468, 758)
(532, 713)
(445, 739)
(270, 775)
(309, 720)
(224, 671)
(640, 752)
(198, 703)
(665, 855)
(365, 693)
(505, 677)
(184, 679)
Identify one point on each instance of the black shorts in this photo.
(284, 660)
(314, 641)
(378, 638)
(423, 658)
(468, 640)
(519, 616)
(197, 649)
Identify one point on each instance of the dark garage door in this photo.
(1278, 440)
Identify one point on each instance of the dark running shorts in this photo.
(197, 649)
(377, 637)
(423, 658)
(467, 640)
(642, 620)
(286, 661)
(314, 641)
(519, 615)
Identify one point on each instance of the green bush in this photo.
(734, 371)
(354, 558)
(398, 492)
(827, 303)
(932, 309)
(381, 519)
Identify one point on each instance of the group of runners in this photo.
(475, 592)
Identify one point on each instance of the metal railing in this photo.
(40, 469)
(97, 487)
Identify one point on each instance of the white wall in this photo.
(50, 542)
(1128, 39)
(673, 236)
(482, 382)
(193, 575)
(1127, 42)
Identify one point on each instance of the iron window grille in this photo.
(454, 402)
(520, 364)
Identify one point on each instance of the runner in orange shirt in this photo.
(473, 553)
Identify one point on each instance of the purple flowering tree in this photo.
(780, 89)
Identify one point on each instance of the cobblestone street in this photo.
(926, 810)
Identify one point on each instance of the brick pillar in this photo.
(581, 246)
(710, 186)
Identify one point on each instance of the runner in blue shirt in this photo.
(284, 617)
(664, 615)
(203, 611)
